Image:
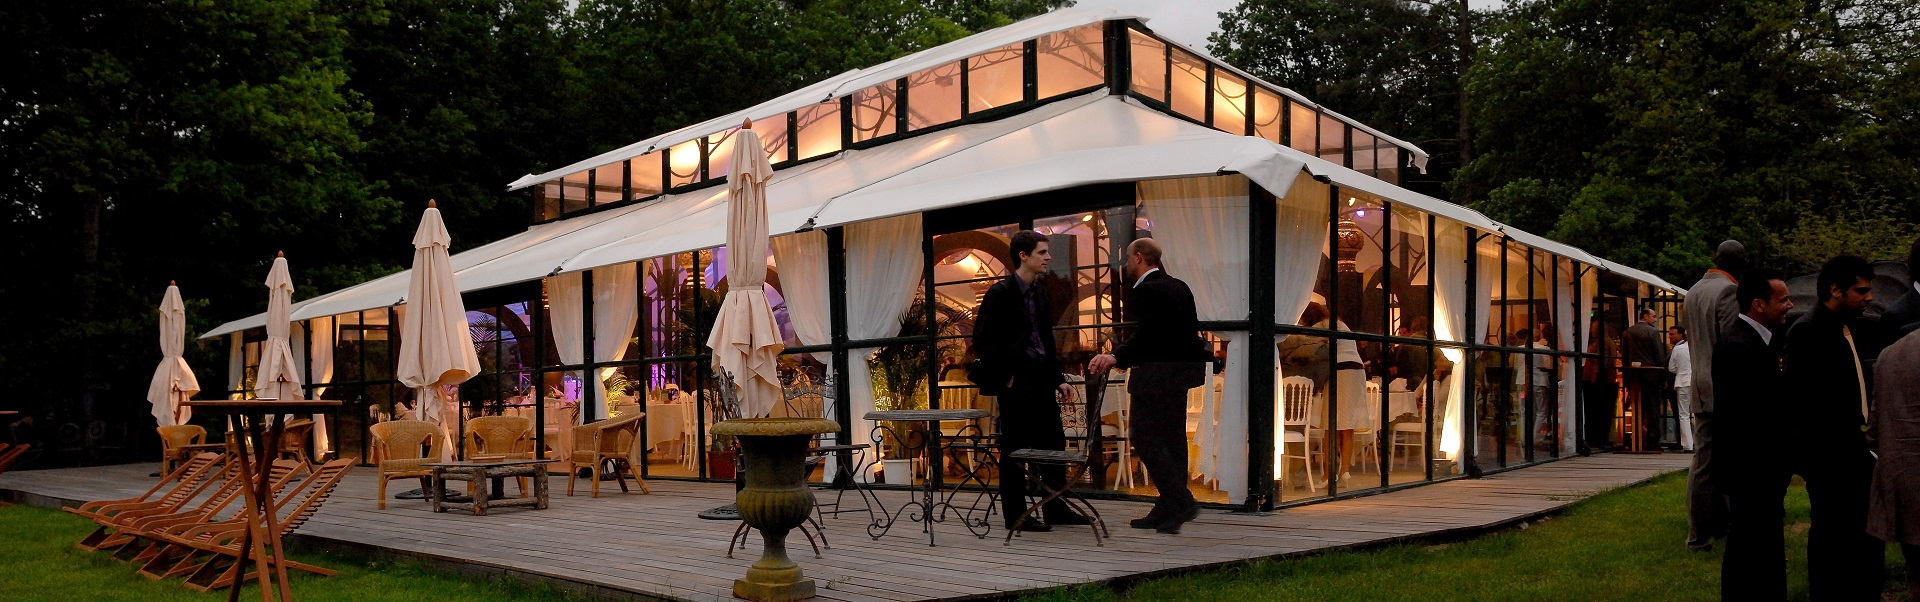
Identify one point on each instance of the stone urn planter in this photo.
(776, 499)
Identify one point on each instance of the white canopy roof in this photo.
(1094, 138)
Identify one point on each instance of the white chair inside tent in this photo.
(1296, 395)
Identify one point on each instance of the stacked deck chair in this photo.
(208, 554)
(136, 540)
(10, 453)
(188, 481)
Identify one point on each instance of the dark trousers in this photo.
(1755, 566)
(1706, 506)
(1598, 401)
(1843, 561)
(1159, 425)
(1029, 419)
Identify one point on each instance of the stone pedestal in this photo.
(775, 500)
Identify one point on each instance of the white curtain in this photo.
(1201, 223)
(1563, 286)
(236, 364)
(565, 315)
(1449, 321)
(320, 339)
(616, 309)
(1589, 288)
(1302, 237)
(884, 266)
(802, 261)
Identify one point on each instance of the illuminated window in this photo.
(720, 153)
(873, 112)
(1229, 103)
(1149, 65)
(995, 78)
(819, 129)
(1304, 134)
(933, 96)
(684, 163)
(547, 198)
(1266, 114)
(573, 193)
(1189, 85)
(1363, 144)
(1071, 60)
(645, 172)
(1333, 140)
(607, 181)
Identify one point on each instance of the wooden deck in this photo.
(625, 546)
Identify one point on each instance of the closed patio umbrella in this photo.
(436, 344)
(279, 376)
(173, 381)
(745, 339)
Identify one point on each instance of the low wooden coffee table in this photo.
(485, 496)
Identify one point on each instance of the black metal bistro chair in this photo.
(1077, 464)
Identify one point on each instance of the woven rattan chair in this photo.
(616, 439)
(396, 452)
(510, 437)
(297, 437)
(175, 439)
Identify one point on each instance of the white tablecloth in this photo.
(666, 422)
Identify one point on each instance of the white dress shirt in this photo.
(1681, 366)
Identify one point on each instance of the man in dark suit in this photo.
(1645, 351)
(1751, 419)
(1903, 316)
(1167, 358)
(1711, 309)
(1826, 443)
(1014, 341)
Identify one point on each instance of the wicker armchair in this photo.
(616, 439)
(174, 440)
(295, 440)
(396, 451)
(507, 436)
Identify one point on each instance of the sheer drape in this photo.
(1589, 288)
(1563, 286)
(616, 309)
(1302, 234)
(1449, 321)
(1201, 224)
(565, 320)
(320, 340)
(236, 364)
(884, 265)
(802, 261)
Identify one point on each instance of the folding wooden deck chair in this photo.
(135, 540)
(10, 454)
(192, 477)
(208, 554)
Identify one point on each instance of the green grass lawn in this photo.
(1622, 545)
(38, 562)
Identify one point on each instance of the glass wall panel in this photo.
(1304, 125)
(720, 153)
(683, 165)
(873, 112)
(607, 183)
(1363, 147)
(1412, 367)
(669, 308)
(933, 96)
(1266, 114)
(996, 78)
(773, 137)
(546, 198)
(1388, 169)
(1304, 447)
(819, 129)
(676, 427)
(1494, 393)
(1361, 255)
(1149, 76)
(645, 173)
(1189, 96)
(573, 193)
(1333, 140)
(1229, 103)
(1071, 60)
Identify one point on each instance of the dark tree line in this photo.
(158, 140)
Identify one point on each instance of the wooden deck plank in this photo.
(632, 545)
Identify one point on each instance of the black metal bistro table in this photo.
(930, 508)
(246, 418)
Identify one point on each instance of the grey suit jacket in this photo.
(1711, 309)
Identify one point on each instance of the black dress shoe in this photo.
(1068, 519)
(1172, 525)
(1145, 522)
(1032, 527)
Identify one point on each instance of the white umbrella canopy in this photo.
(745, 340)
(436, 342)
(279, 376)
(173, 381)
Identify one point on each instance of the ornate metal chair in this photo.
(1077, 463)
